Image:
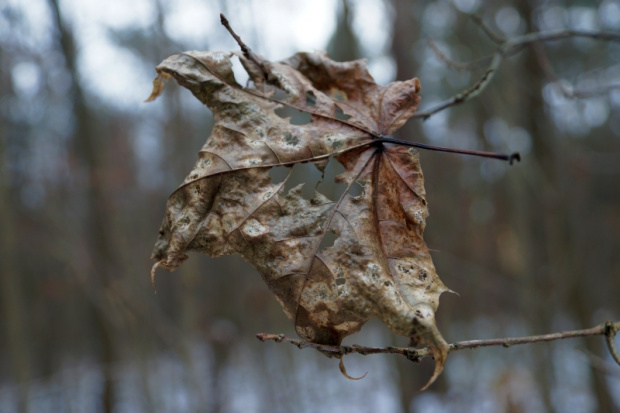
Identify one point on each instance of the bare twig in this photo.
(608, 329)
(467, 94)
(508, 48)
(247, 52)
(487, 30)
(455, 65)
(601, 364)
(569, 91)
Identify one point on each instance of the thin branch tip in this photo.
(608, 329)
(247, 52)
(610, 333)
(506, 48)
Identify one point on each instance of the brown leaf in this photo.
(379, 265)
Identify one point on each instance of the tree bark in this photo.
(97, 220)
(11, 293)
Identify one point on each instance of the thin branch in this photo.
(567, 90)
(467, 94)
(247, 52)
(601, 364)
(487, 30)
(608, 329)
(456, 65)
(508, 48)
(559, 35)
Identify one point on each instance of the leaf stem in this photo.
(504, 157)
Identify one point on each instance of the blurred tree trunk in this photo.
(555, 265)
(11, 293)
(529, 214)
(97, 221)
(343, 46)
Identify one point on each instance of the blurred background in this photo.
(86, 168)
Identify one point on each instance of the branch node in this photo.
(610, 333)
(509, 47)
(413, 355)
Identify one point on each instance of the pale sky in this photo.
(275, 29)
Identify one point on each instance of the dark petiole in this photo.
(504, 157)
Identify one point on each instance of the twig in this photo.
(608, 329)
(569, 92)
(455, 65)
(247, 52)
(508, 48)
(467, 94)
(487, 30)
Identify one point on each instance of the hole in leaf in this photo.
(241, 76)
(304, 173)
(310, 99)
(280, 94)
(338, 94)
(340, 115)
(279, 174)
(357, 188)
(297, 117)
(328, 240)
(328, 185)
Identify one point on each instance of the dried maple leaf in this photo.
(379, 265)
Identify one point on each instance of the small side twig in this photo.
(247, 52)
(608, 329)
(455, 65)
(508, 48)
(471, 92)
(487, 30)
(569, 91)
